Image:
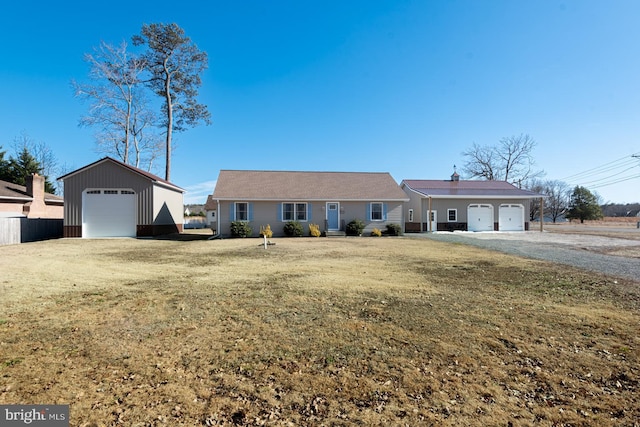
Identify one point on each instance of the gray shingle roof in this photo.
(468, 189)
(282, 185)
(19, 192)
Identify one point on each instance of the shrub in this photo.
(314, 230)
(266, 232)
(241, 229)
(293, 229)
(394, 229)
(355, 227)
(376, 232)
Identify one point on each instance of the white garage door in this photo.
(480, 218)
(109, 213)
(511, 218)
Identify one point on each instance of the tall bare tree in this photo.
(556, 201)
(119, 108)
(174, 64)
(510, 160)
(558, 196)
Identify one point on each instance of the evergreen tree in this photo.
(583, 205)
(4, 166)
(22, 166)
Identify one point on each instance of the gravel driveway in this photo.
(570, 249)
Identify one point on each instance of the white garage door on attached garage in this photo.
(480, 218)
(108, 213)
(511, 218)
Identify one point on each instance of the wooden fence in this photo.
(22, 230)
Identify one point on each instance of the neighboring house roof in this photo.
(9, 191)
(303, 186)
(468, 189)
(145, 174)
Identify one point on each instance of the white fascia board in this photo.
(169, 186)
(244, 199)
(479, 197)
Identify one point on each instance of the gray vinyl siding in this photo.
(270, 213)
(415, 203)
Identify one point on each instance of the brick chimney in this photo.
(35, 188)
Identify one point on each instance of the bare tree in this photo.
(511, 160)
(537, 186)
(558, 197)
(118, 108)
(44, 160)
(481, 162)
(174, 63)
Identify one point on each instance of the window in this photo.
(242, 211)
(376, 212)
(127, 192)
(410, 215)
(301, 211)
(294, 212)
(452, 215)
(94, 192)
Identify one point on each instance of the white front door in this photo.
(433, 223)
(333, 216)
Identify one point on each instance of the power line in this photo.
(606, 178)
(616, 181)
(594, 179)
(626, 160)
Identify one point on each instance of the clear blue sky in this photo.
(394, 86)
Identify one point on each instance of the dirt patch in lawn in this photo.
(354, 331)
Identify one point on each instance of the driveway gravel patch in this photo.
(576, 250)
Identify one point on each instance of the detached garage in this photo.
(109, 198)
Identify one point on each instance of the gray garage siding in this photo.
(106, 175)
(268, 212)
(443, 205)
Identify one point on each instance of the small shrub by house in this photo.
(355, 227)
(293, 229)
(241, 229)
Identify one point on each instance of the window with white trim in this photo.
(376, 212)
(242, 211)
(294, 212)
(452, 215)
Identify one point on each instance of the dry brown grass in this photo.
(358, 331)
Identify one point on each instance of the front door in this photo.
(333, 216)
(433, 226)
